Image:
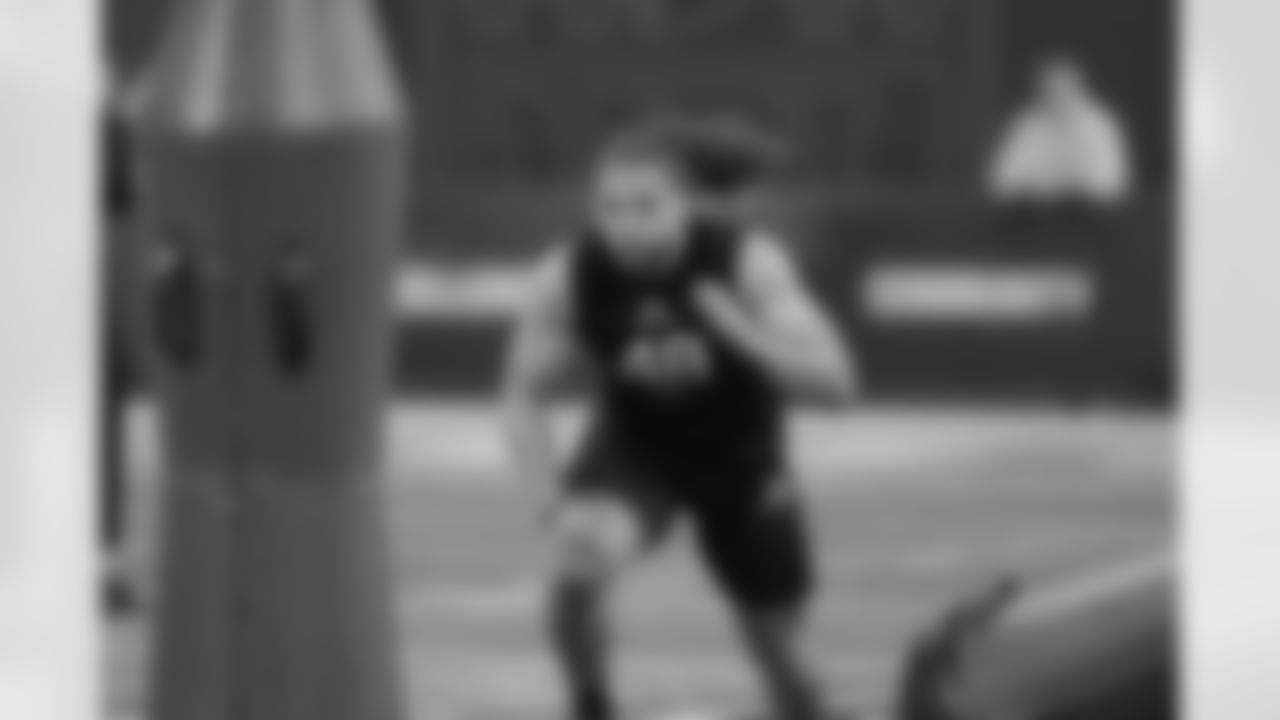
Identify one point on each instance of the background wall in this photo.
(891, 107)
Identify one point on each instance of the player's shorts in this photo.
(749, 523)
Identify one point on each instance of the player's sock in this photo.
(581, 640)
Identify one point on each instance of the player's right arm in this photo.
(541, 354)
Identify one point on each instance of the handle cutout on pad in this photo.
(178, 306)
(289, 313)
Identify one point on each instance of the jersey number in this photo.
(668, 361)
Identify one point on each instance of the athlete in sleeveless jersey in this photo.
(683, 421)
(669, 384)
(694, 333)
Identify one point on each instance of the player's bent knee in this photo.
(596, 541)
(588, 560)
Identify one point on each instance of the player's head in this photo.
(639, 198)
(651, 183)
(1061, 83)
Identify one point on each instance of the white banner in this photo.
(473, 292)
(970, 293)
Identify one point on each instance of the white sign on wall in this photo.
(972, 293)
(427, 291)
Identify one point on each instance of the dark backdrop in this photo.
(891, 107)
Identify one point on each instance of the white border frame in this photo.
(48, 93)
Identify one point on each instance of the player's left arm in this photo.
(773, 319)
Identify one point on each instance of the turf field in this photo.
(913, 507)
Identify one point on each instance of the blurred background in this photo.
(897, 113)
(981, 191)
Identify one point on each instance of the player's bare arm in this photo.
(540, 356)
(772, 318)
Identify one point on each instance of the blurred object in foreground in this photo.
(1102, 647)
(271, 166)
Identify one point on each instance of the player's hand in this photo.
(724, 311)
(716, 302)
(550, 505)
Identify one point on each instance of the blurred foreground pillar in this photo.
(1099, 647)
(271, 177)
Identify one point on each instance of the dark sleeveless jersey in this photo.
(671, 390)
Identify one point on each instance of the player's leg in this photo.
(608, 521)
(111, 527)
(775, 639)
(118, 591)
(757, 548)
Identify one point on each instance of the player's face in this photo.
(1061, 86)
(641, 207)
